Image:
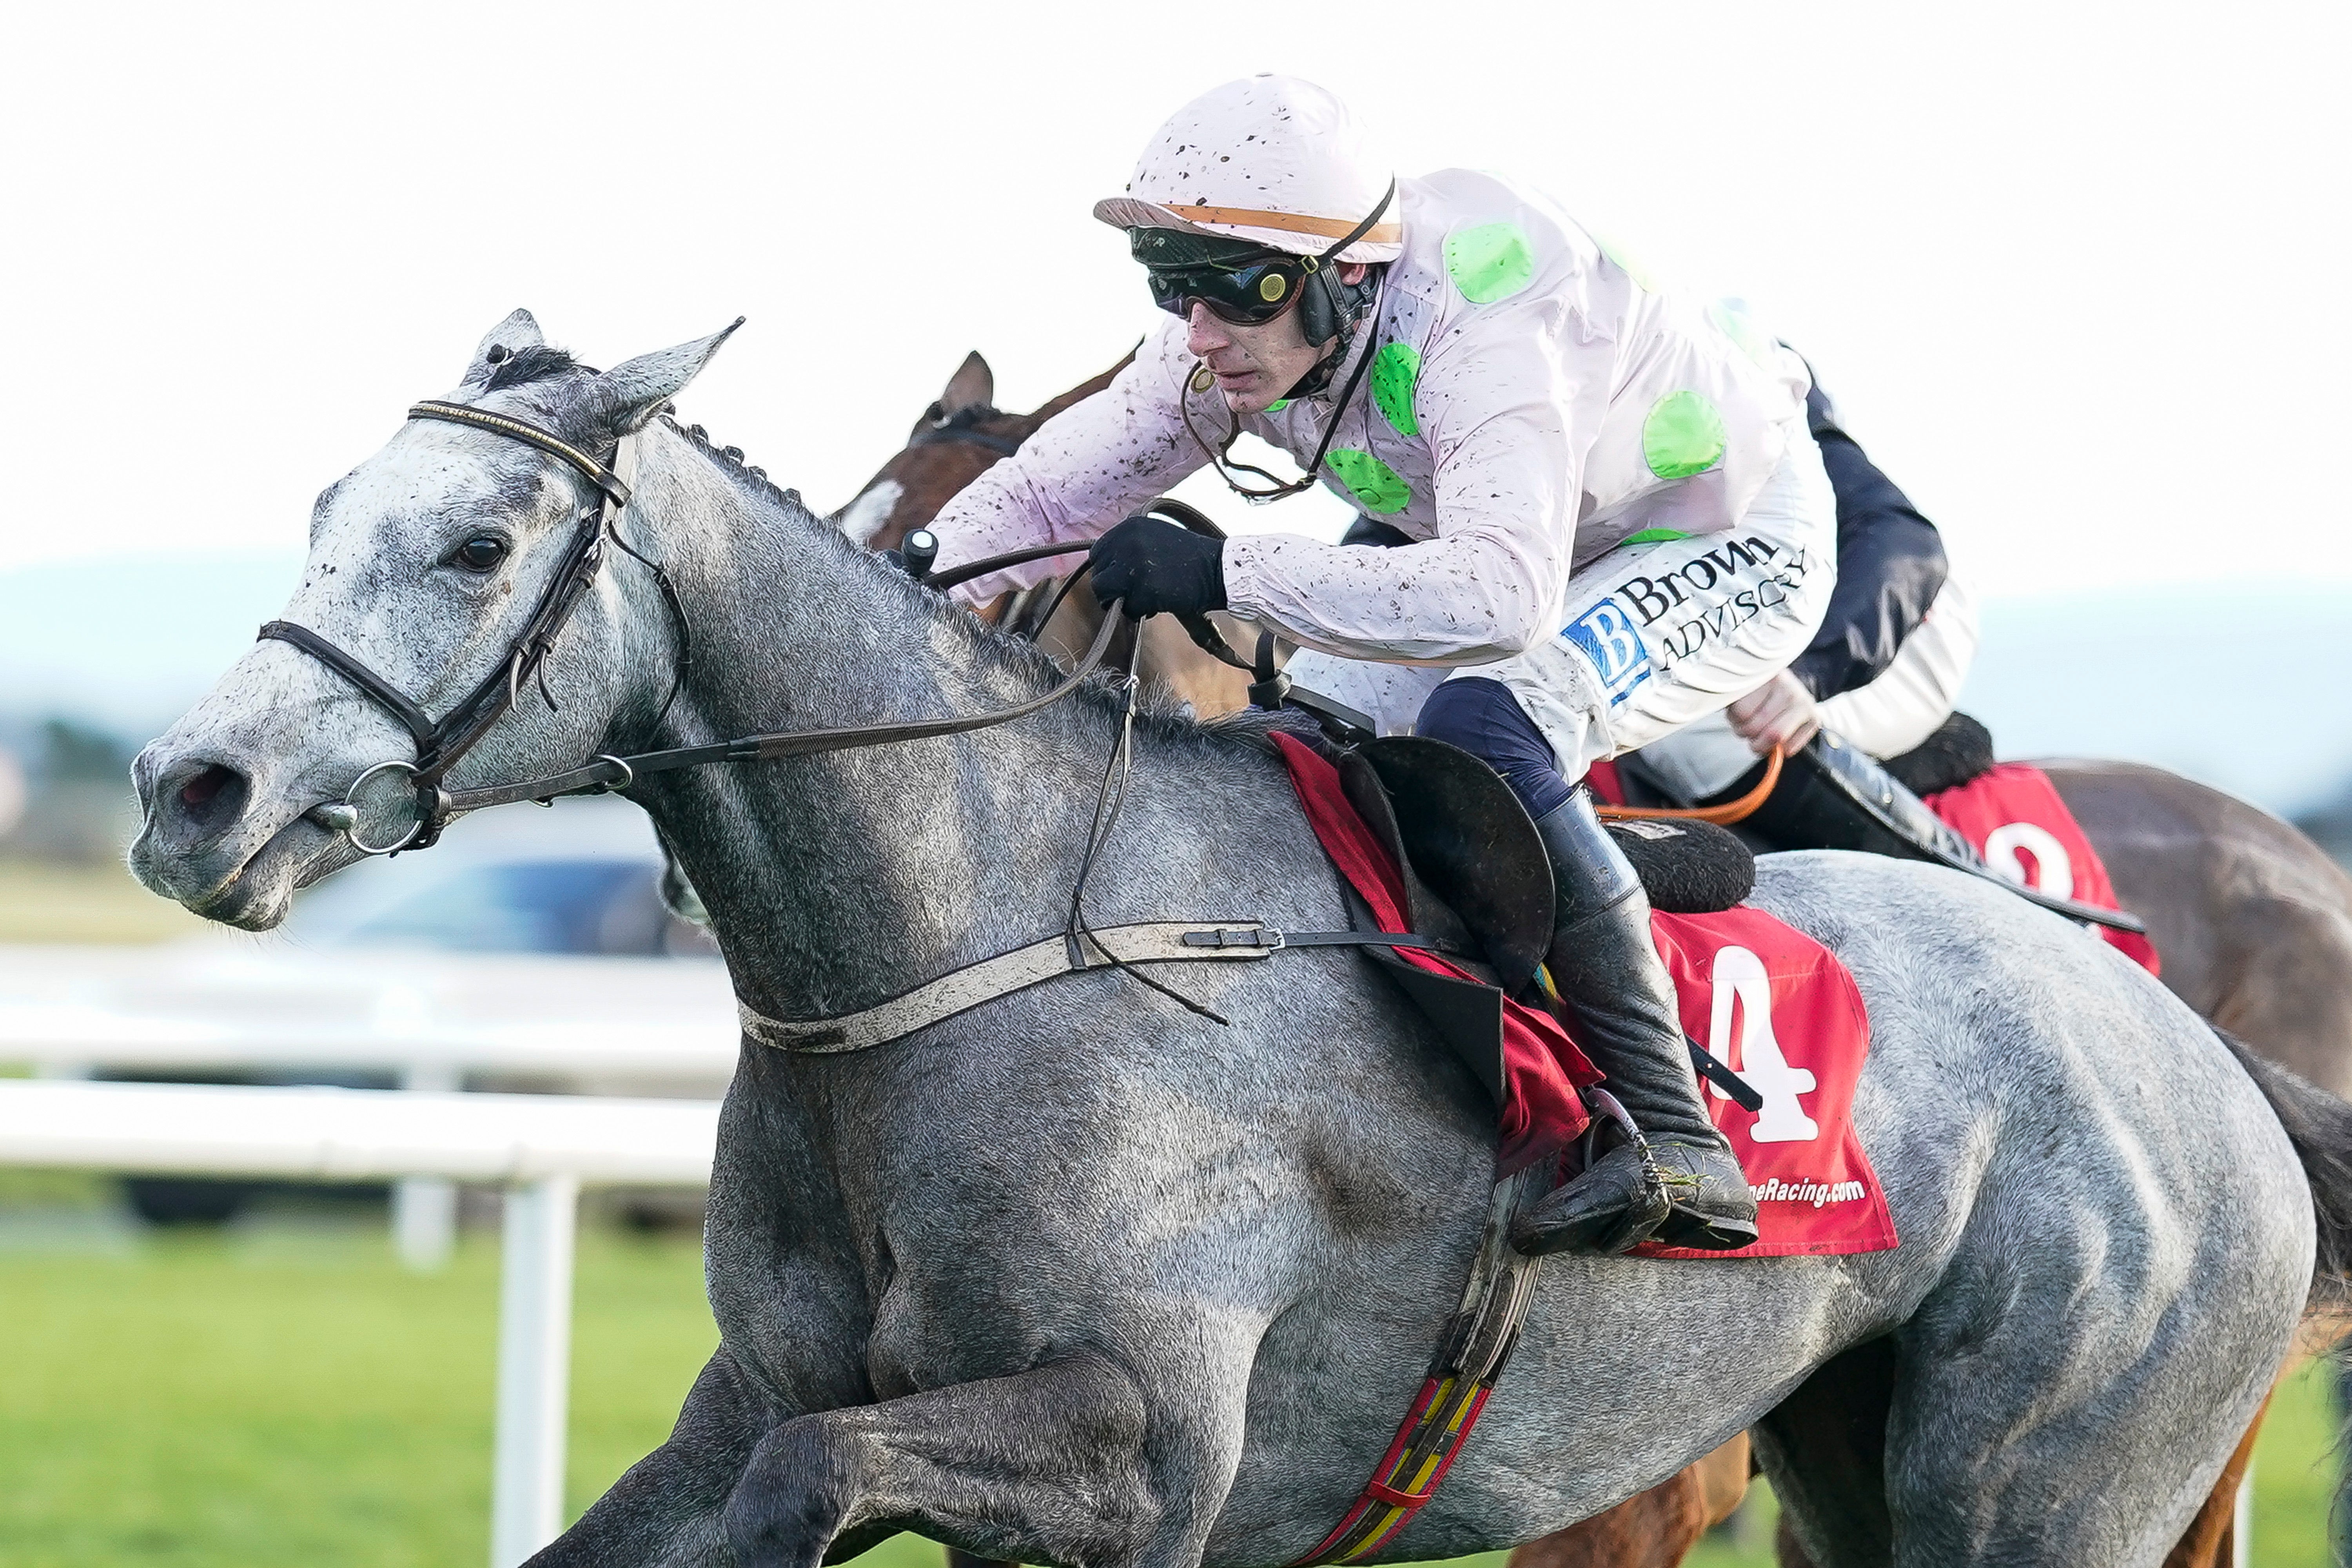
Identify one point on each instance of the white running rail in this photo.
(542, 1148)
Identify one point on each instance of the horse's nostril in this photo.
(213, 796)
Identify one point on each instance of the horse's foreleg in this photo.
(2213, 1535)
(664, 1512)
(1045, 1466)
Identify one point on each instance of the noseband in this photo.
(440, 744)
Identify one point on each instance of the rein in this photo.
(1723, 815)
(1480, 1335)
(441, 743)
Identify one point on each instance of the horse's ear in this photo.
(973, 386)
(500, 343)
(635, 391)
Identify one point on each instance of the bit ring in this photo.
(350, 834)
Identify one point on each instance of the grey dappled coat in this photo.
(1082, 1277)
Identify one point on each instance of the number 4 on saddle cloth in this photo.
(1768, 999)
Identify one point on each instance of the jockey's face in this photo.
(1254, 365)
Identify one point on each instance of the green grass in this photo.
(48, 902)
(286, 1394)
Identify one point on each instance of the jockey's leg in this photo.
(1684, 1186)
(1656, 635)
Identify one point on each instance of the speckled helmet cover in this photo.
(1269, 159)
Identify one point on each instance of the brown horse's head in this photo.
(951, 444)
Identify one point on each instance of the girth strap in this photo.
(1476, 1342)
(1071, 952)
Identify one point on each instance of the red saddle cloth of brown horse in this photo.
(1774, 1004)
(2014, 817)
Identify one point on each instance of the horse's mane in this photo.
(1156, 717)
(538, 362)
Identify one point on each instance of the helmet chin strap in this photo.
(1321, 314)
(1360, 296)
(1221, 454)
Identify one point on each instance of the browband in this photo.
(603, 477)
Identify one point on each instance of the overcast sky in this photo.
(2076, 276)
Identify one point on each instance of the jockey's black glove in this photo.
(1157, 568)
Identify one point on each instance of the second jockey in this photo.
(1619, 521)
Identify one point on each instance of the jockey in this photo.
(1881, 673)
(1618, 522)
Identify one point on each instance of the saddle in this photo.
(1475, 867)
(1477, 879)
(1959, 752)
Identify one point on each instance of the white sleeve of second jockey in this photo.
(1085, 468)
(1916, 691)
(1508, 438)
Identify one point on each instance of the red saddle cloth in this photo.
(1780, 1010)
(1763, 995)
(2015, 817)
(1542, 1068)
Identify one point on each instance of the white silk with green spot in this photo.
(1395, 370)
(1376, 485)
(1527, 402)
(1627, 261)
(1682, 436)
(1732, 320)
(1490, 262)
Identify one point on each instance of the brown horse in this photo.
(953, 443)
(2252, 920)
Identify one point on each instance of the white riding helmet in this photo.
(1269, 159)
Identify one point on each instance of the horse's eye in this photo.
(480, 553)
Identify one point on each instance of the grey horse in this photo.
(1081, 1276)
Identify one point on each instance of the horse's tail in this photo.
(2319, 1126)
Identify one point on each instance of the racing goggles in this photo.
(1239, 280)
(1244, 284)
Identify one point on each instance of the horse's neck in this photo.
(832, 879)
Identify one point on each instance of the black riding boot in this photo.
(1679, 1181)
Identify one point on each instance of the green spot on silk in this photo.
(1492, 261)
(1395, 370)
(1625, 261)
(1732, 320)
(1375, 484)
(1682, 435)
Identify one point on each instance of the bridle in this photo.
(961, 429)
(441, 743)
